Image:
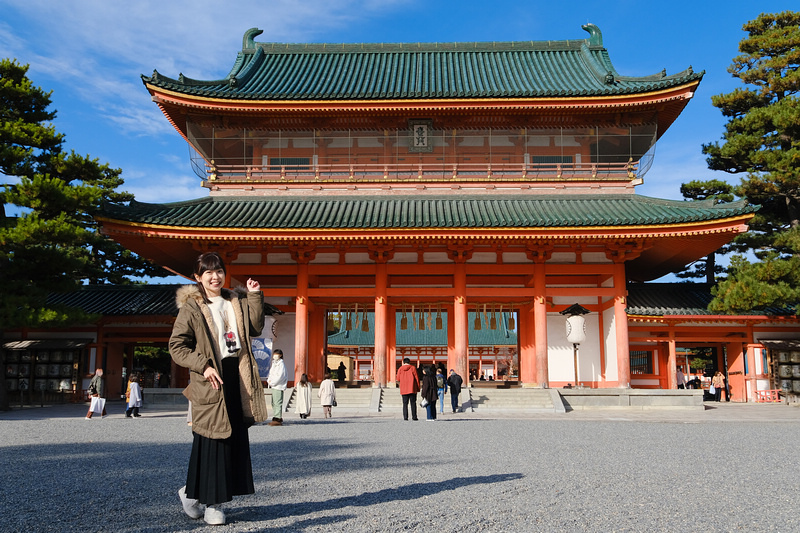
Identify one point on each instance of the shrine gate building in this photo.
(437, 187)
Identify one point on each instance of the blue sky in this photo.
(91, 55)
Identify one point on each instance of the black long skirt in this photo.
(220, 469)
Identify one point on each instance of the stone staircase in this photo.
(484, 398)
(367, 400)
(500, 399)
(352, 399)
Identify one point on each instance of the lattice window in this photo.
(641, 362)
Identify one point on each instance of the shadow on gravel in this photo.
(412, 491)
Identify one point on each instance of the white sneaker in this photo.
(214, 516)
(192, 508)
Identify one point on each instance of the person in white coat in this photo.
(303, 390)
(277, 382)
(134, 397)
(327, 395)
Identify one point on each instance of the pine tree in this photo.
(52, 245)
(762, 140)
(707, 191)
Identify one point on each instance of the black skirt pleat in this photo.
(220, 469)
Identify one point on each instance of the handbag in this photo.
(334, 404)
(97, 405)
(712, 390)
(423, 403)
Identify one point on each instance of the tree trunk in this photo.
(4, 404)
(711, 267)
(793, 212)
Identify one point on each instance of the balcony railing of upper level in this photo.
(462, 172)
(596, 153)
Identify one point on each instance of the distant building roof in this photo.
(428, 335)
(127, 300)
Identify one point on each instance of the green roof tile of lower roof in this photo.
(421, 212)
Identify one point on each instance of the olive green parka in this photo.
(193, 345)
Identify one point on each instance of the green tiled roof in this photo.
(411, 336)
(275, 71)
(126, 300)
(417, 212)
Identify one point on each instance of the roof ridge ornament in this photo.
(248, 41)
(595, 35)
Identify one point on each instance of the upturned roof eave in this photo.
(509, 232)
(169, 97)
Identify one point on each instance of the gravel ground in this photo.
(465, 472)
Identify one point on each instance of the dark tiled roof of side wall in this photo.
(126, 300)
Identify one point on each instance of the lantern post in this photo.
(576, 331)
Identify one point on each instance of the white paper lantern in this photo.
(576, 329)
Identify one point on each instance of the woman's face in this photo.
(212, 281)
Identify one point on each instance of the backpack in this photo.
(440, 381)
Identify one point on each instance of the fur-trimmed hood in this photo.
(192, 292)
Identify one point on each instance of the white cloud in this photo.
(100, 48)
(161, 187)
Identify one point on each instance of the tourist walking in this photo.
(277, 381)
(680, 377)
(211, 337)
(96, 392)
(429, 392)
(303, 397)
(441, 387)
(134, 395)
(327, 395)
(454, 382)
(409, 387)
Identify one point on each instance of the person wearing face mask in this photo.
(276, 381)
(211, 337)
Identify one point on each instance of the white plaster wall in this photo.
(247, 259)
(561, 355)
(610, 339)
(326, 258)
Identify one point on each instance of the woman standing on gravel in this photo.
(327, 395)
(429, 391)
(303, 391)
(211, 337)
(719, 382)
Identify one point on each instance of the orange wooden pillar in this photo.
(621, 327)
(391, 350)
(672, 364)
(301, 322)
(751, 378)
(527, 347)
(317, 330)
(540, 325)
(460, 359)
(381, 322)
(736, 376)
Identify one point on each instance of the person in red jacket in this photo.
(409, 387)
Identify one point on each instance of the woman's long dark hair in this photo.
(207, 261)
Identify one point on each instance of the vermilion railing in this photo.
(424, 172)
